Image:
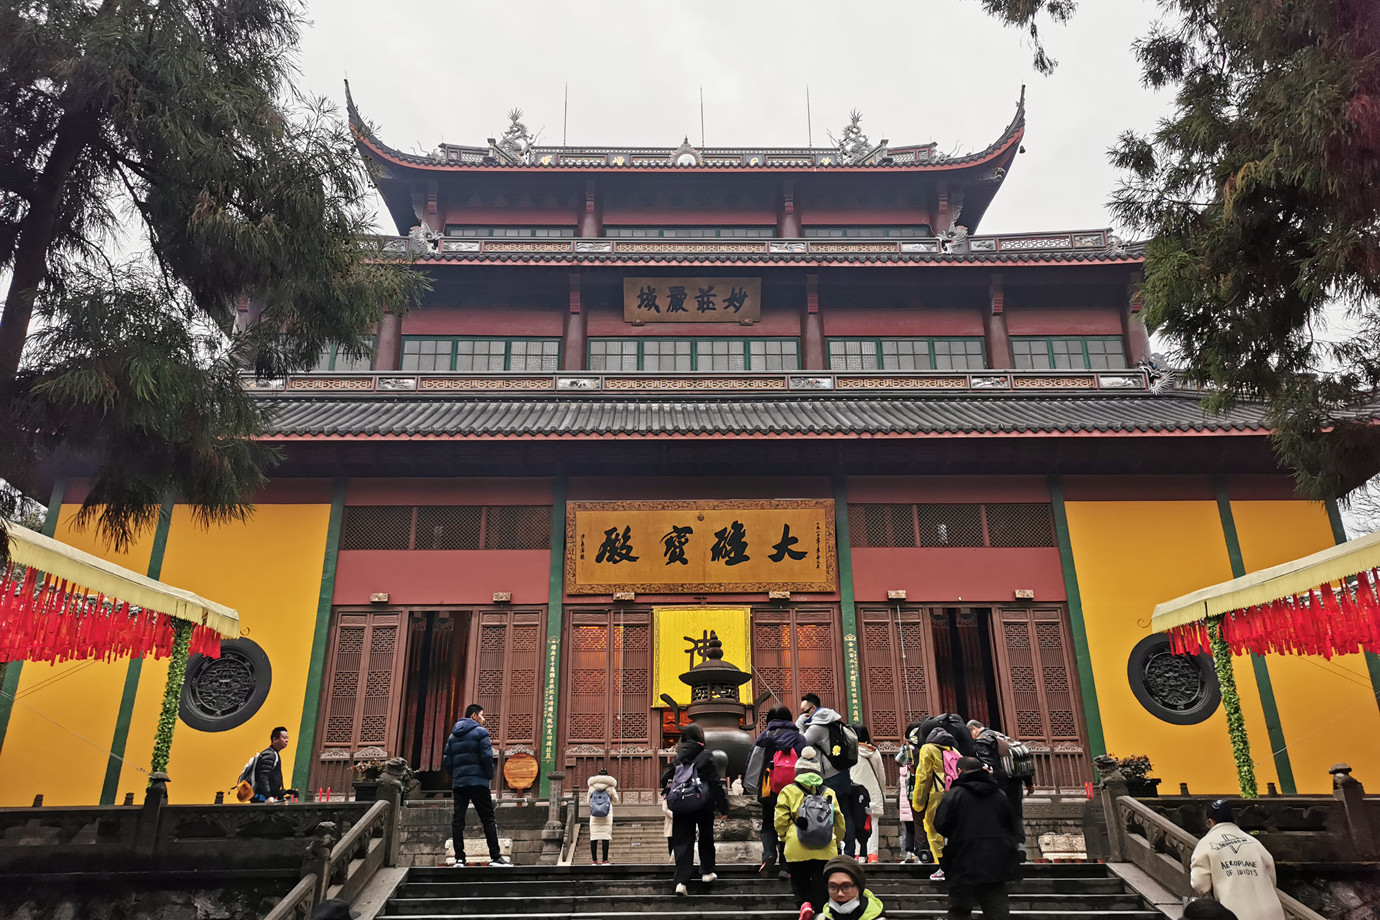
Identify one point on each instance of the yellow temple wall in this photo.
(1327, 709)
(61, 723)
(1130, 556)
(269, 569)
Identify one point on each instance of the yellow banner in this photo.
(681, 634)
(692, 300)
(700, 547)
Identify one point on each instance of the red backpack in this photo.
(781, 772)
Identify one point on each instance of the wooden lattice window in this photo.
(897, 670)
(363, 684)
(608, 681)
(506, 662)
(796, 650)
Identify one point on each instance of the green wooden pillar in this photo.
(9, 672)
(1262, 671)
(852, 678)
(1092, 714)
(311, 701)
(555, 599)
(111, 786)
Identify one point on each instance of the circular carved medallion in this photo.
(223, 693)
(1180, 689)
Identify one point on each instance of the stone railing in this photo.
(1090, 242)
(804, 382)
(1299, 831)
(340, 868)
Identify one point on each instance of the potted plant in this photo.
(366, 779)
(1136, 769)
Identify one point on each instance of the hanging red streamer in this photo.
(1329, 620)
(42, 619)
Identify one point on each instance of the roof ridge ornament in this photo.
(515, 146)
(852, 143)
(686, 154)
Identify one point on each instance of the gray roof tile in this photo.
(487, 416)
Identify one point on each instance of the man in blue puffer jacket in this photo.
(469, 759)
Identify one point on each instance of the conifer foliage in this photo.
(173, 126)
(1261, 195)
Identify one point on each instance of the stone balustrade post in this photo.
(1111, 788)
(394, 785)
(553, 834)
(146, 830)
(1349, 791)
(317, 858)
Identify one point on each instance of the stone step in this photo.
(1087, 870)
(685, 910)
(466, 885)
(706, 898)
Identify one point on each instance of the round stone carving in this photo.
(1180, 689)
(224, 693)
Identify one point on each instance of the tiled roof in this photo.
(825, 416)
(458, 157)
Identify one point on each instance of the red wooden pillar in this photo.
(944, 217)
(787, 218)
(999, 355)
(573, 333)
(1133, 324)
(812, 328)
(592, 217)
(388, 353)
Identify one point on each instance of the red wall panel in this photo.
(1063, 322)
(872, 321)
(496, 491)
(864, 490)
(498, 319)
(951, 574)
(442, 576)
(1137, 488)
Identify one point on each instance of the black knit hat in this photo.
(849, 866)
(1220, 811)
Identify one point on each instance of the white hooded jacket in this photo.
(1238, 871)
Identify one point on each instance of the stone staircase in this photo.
(1063, 891)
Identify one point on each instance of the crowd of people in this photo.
(821, 784)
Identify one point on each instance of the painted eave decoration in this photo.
(59, 603)
(1323, 604)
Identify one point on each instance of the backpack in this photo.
(781, 771)
(1017, 761)
(600, 804)
(843, 747)
(861, 801)
(688, 793)
(814, 820)
(244, 785)
(951, 759)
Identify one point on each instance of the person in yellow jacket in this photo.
(805, 862)
(931, 782)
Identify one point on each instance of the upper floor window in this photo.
(686, 354)
(928, 354)
(510, 232)
(334, 358)
(1074, 352)
(897, 232)
(472, 353)
(688, 233)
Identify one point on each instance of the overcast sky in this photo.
(919, 71)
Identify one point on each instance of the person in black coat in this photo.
(685, 827)
(980, 855)
(1015, 788)
(268, 769)
(469, 759)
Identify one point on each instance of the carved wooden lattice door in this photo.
(796, 650)
(897, 677)
(608, 705)
(361, 701)
(506, 651)
(1040, 699)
